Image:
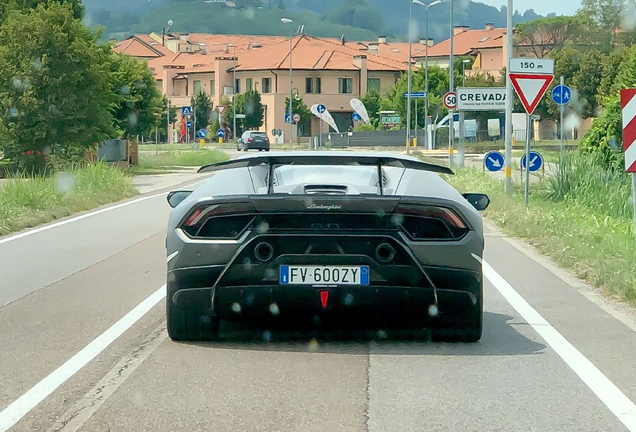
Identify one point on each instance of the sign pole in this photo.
(527, 186)
(460, 152)
(561, 109)
(415, 123)
(634, 198)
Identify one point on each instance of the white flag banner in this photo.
(358, 106)
(326, 116)
(314, 111)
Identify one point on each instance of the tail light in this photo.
(219, 221)
(426, 222)
(249, 140)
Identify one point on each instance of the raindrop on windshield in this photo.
(250, 13)
(313, 346)
(382, 334)
(13, 112)
(37, 64)
(132, 119)
(397, 219)
(267, 336)
(348, 300)
(236, 308)
(17, 82)
(125, 89)
(263, 227)
(433, 311)
(64, 183)
(273, 308)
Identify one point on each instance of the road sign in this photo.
(355, 117)
(203, 133)
(494, 161)
(296, 118)
(561, 95)
(450, 100)
(186, 111)
(220, 133)
(536, 161)
(220, 109)
(287, 118)
(530, 88)
(526, 65)
(240, 116)
(321, 108)
(189, 124)
(390, 119)
(628, 105)
(481, 98)
(415, 94)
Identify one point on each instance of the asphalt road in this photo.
(82, 329)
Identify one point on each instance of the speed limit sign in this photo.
(450, 100)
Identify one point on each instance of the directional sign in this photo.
(186, 111)
(628, 105)
(220, 109)
(321, 108)
(561, 95)
(220, 133)
(203, 133)
(526, 65)
(355, 117)
(494, 161)
(416, 94)
(296, 118)
(530, 88)
(240, 116)
(287, 118)
(536, 161)
(450, 100)
(189, 124)
(481, 98)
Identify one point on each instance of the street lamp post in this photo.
(451, 127)
(464, 72)
(291, 49)
(408, 90)
(418, 2)
(234, 94)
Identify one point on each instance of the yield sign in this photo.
(220, 108)
(530, 88)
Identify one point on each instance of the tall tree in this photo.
(252, 107)
(372, 101)
(544, 35)
(604, 18)
(27, 5)
(202, 104)
(54, 82)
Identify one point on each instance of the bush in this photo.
(364, 127)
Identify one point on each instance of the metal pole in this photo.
(509, 103)
(194, 125)
(156, 140)
(451, 127)
(415, 122)
(291, 45)
(408, 95)
(527, 186)
(320, 135)
(460, 153)
(234, 98)
(561, 108)
(634, 197)
(168, 122)
(429, 144)
(463, 74)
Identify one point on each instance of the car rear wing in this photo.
(326, 158)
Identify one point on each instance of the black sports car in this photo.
(326, 238)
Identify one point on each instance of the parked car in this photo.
(253, 140)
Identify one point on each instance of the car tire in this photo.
(238, 148)
(186, 325)
(468, 328)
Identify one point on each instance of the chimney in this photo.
(184, 37)
(360, 61)
(490, 26)
(373, 48)
(428, 42)
(459, 29)
(381, 39)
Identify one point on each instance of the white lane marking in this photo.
(83, 410)
(622, 407)
(86, 215)
(36, 394)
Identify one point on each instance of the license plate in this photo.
(320, 275)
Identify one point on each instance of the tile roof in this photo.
(141, 45)
(312, 54)
(396, 51)
(464, 42)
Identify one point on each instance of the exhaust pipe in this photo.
(263, 251)
(384, 252)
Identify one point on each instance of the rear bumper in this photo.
(256, 145)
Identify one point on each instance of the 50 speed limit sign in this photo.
(450, 100)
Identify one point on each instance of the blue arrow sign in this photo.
(561, 95)
(321, 108)
(536, 161)
(355, 117)
(494, 161)
(220, 133)
(189, 124)
(416, 94)
(203, 133)
(287, 118)
(186, 111)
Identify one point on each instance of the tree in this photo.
(163, 124)
(371, 102)
(27, 5)
(603, 18)
(203, 107)
(299, 107)
(54, 82)
(544, 35)
(252, 107)
(137, 102)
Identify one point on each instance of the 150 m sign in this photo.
(481, 98)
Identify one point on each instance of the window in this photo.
(248, 84)
(309, 85)
(318, 85)
(237, 86)
(373, 84)
(212, 87)
(345, 85)
(197, 87)
(266, 85)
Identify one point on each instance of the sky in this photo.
(543, 7)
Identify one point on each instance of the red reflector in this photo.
(324, 298)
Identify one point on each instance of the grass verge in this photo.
(162, 162)
(27, 202)
(596, 246)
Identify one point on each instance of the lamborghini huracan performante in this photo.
(326, 239)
